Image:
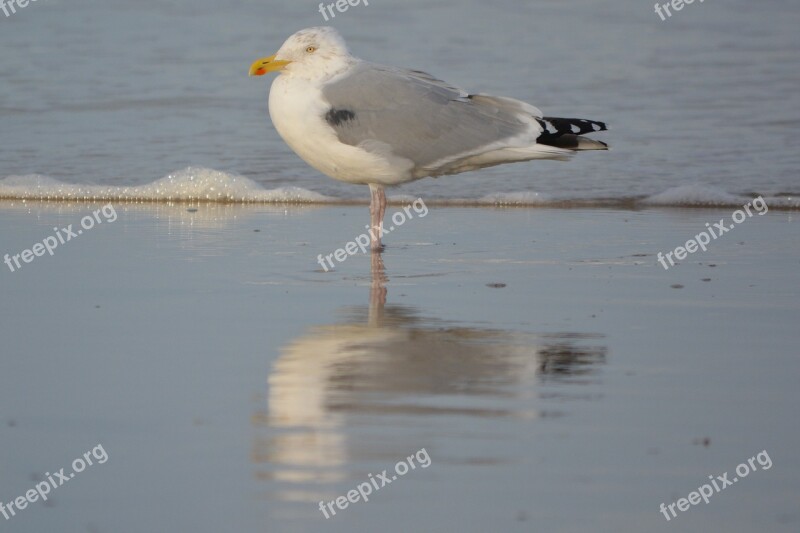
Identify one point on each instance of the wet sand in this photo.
(558, 377)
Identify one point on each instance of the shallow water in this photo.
(570, 384)
(119, 93)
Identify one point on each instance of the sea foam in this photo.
(190, 184)
(199, 184)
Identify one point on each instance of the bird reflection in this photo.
(387, 364)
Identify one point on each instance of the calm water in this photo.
(124, 93)
(234, 384)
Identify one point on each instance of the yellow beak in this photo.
(267, 64)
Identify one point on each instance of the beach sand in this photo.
(557, 376)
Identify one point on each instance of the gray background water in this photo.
(121, 92)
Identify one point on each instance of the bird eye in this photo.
(311, 49)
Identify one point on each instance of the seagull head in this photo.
(313, 53)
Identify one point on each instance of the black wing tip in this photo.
(575, 126)
(565, 132)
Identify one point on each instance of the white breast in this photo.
(297, 109)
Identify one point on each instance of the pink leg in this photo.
(377, 209)
(377, 291)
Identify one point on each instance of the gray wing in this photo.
(419, 117)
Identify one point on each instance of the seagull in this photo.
(364, 123)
